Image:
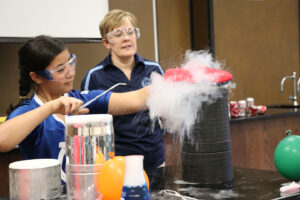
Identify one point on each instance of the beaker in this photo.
(134, 186)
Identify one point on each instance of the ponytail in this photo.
(25, 86)
(36, 54)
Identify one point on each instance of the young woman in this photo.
(135, 134)
(37, 123)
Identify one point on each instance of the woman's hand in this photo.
(67, 105)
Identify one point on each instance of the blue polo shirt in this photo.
(135, 134)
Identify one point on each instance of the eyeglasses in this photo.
(61, 71)
(118, 34)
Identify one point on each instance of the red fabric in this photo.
(178, 75)
(215, 75)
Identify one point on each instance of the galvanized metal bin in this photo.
(35, 179)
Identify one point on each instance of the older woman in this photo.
(134, 133)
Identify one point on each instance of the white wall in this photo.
(57, 18)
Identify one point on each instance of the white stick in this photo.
(90, 101)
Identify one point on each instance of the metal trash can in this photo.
(206, 154)
(35, 179)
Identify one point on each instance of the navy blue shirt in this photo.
(135, 134)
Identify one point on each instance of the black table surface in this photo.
(247, 184)
(270, 114)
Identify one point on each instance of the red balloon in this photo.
(111, 178)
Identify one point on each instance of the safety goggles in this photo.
(119, 33)
(61, 71)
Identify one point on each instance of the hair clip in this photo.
(23, 97)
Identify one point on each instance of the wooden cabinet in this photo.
(5, 160)
(254, 140)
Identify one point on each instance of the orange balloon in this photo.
(99, 162)
(147, 180)
(111, 178)
(99, 158)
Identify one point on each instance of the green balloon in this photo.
(287, 157)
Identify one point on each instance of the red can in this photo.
(251, 108)
(261, 110)
(234, 109)
(250, 101)
(242, 108)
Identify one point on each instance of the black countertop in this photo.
(248, 184)
(271, 113)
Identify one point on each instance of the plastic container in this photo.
(82, 181)
(87, 137)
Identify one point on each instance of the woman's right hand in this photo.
(67, 105)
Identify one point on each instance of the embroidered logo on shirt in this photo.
(146, 81)
(84, 92)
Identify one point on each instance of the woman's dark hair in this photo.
(35, 55)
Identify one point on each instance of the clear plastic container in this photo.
(89, 139)
(82, 181)
(86, 136)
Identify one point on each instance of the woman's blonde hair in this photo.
(115, 18)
